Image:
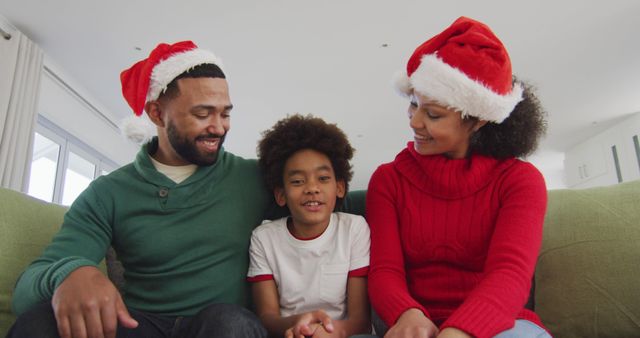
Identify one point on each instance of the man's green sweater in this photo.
(183, 246)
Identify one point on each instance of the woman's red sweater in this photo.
(455, 238)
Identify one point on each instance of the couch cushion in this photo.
(588, 273)
(26, 227)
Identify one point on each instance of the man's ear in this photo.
(340, 192)
(155, 113)
(281, 198)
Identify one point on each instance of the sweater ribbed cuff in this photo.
(394, 306)
(64, 267)
(479, 319)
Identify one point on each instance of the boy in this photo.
(308, 271)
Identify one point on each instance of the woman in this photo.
(456, 219)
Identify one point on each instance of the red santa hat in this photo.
(148, 78)
(465, 68)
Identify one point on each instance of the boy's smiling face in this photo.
(310, 191)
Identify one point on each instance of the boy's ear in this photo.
(280, 197)
(340, 192)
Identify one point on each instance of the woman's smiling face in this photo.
(439, 130)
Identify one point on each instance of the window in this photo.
(62, 166)
(80, 172)
(43, 167)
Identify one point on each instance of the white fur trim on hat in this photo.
(167, 70)
(401, 83)
(452, 88)
(138, 129)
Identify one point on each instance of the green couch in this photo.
(586, 284)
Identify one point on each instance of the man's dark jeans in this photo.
(217, 320)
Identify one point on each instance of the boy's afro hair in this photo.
(295, 133)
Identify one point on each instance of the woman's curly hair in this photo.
(517, 135)
(295, 133)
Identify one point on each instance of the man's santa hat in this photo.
(465, 68)
(148, 78)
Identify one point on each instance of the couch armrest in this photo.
(27, 226)
(589, 266)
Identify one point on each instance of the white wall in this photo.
(591, 163)
(63, 107)
(551, 165)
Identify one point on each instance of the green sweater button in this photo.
(163, 192)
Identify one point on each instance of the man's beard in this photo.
(188, 150)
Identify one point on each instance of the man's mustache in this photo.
(209, 136)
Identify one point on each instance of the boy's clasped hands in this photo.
(314, 324)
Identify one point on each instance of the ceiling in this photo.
(335, 59)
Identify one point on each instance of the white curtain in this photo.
(20, 72)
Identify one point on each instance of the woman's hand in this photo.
(413, 324)
(452, 332)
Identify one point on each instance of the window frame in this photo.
(69, 143)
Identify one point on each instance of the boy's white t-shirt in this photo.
(311, 274)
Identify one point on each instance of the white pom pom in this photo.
(401, 83)
(138, 129)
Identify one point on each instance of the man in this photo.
(179, 217)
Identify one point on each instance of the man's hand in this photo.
(308, 323)
(88, 305)
(413, 324)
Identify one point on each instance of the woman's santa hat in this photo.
(148, 78)
(465, 68)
